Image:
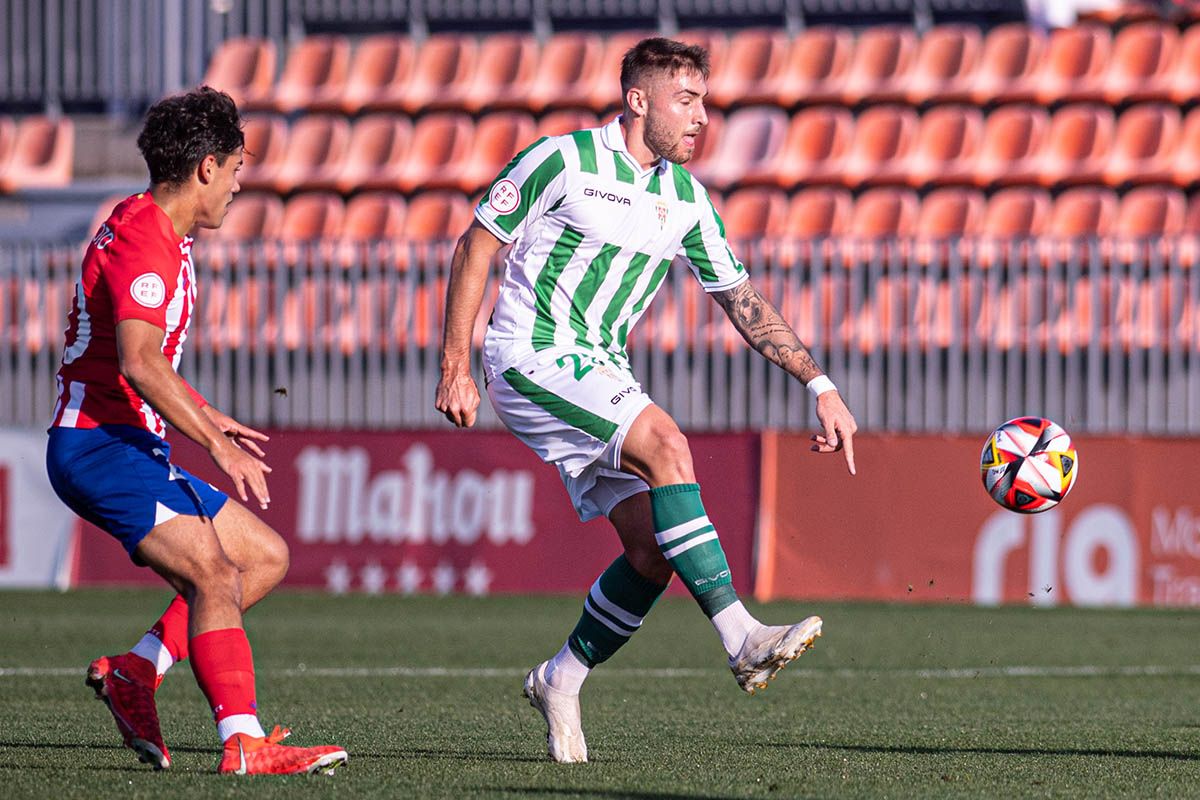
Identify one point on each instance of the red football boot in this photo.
(126, 683)
(264, 755)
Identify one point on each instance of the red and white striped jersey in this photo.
(136, 267)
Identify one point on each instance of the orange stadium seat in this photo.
(1012, 219)
(947, 144)
(754, 214)
(253, 215)
(946, 60)
(243, 67)
(373, 215)
(379, 145)
(815, 216)
(1148, 220)
(310, 220)
(504, 70)
(1151, 211)
(1144, 145)
(1016, 213)
(817, 141)
(315, 71)
(819, 213)
(880, 215)
(1083, 212)
(498, 137)
(1140, 68)
(946, 216)
(817, 61)
(8, 137)
(1185, 77)
(433, 218)
(756, 59)
(444, 65)
(266, 142)
(42, 155)
(441, 141)
(1122, 12)
(1186, 162)
(604, 94)
(750, 141)
(712, 40)
(883, 137)
(1077, 145)
(316, 149)
(371, 219)
(378, 72)
(557, 123)
(1012, 139)
(1191, 221)
(1007, 65)
(1072, 69)
(879, 68)
(884, 212)
(565, 72)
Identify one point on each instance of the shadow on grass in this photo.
(998, 751)
(452, 755)
(622, 793)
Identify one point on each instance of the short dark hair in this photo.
(180, 131)
(658, 54)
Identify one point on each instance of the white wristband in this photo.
(820, 385)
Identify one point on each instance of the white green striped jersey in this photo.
(593, 235)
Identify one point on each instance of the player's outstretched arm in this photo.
(457, 395)
(139, 351)
(765, 329)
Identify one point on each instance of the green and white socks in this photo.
(689, 542)
(613, 611)
(621, 597)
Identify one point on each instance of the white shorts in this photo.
(574, 410)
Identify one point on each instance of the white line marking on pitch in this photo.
(1082, 671)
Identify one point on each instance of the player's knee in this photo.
(672, 455)
(277, 558)
(649, 563)
(219, 576)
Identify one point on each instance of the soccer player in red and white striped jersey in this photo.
(107, 458)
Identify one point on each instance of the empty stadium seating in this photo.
(40, 154)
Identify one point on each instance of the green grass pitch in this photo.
(895, 701)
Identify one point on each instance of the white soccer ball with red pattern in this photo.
(1029, 464)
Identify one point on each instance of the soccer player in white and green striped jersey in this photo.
(595, 219)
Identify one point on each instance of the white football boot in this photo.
(769, 648)
(564, 730)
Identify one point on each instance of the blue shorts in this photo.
(120, 479)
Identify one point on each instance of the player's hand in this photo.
(244, 470)
(245, 437)
(458, 397)
(839, 427)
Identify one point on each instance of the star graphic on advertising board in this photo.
(444, 578)
(476, 579)
(338, 577)
(409, 577)
(374, 578)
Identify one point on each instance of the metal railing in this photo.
(1103, 336)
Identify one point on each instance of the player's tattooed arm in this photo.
(765, 329)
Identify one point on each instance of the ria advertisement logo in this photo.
(1095, 559)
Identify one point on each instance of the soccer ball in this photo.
(1029, 464)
